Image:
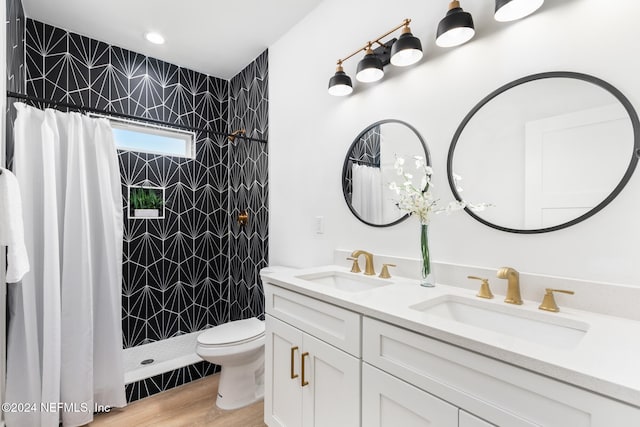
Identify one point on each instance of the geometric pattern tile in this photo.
(173, 274)
(165, 381)
(196, 268)
(248, 186)
(365, 152)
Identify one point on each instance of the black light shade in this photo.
(370, 68)
(456, 27)
(407, 50)
(510, 10)
(340, 83)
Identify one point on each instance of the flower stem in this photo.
(424, 243)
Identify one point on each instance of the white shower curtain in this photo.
(64, 345)
(366, 195)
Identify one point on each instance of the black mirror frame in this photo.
(539, 76)
(427, 156)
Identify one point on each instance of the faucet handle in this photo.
(355, 268)
(485, 291)
(385, 271)
(549, 302)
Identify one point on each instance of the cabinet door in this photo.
(332, 396)
(390, 402)
(283, 394)
(468, 420)
(500, 393)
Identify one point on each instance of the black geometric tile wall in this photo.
(249, 188)
(15, 29)
(169, 380)
(365, 152)
(176, 271)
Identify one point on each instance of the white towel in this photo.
(12, 228)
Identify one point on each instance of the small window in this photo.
(149, 138)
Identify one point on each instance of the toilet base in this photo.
(241, 385)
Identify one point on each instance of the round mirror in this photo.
(369, 169)
(547, 151)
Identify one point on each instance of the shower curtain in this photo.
(64, 344)
(366, 197)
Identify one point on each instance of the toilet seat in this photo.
(232, 333)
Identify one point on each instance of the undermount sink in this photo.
(512, 321)
(344, 281)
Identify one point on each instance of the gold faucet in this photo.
(549, 303)
(384, 274)
(485, 290)
(355, 268)
(513, 284)
(368, 267)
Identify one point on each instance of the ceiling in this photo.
(213, 37)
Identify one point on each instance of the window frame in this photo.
(189, 137)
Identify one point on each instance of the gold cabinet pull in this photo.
(293, 350)
(303, 381)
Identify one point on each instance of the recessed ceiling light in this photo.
(154, 38)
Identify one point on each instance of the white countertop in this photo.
(605, 361)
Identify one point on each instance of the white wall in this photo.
(310, 130)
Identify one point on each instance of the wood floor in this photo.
(188, 405)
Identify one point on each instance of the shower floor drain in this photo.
(147, 362)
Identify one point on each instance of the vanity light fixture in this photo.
(456, 27)
(340, 83)
(153, 37)
(407, 50)
(370, 68)
(401, 52)
(511, 10)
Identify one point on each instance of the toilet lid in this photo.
(234, 332)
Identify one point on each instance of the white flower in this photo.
(420, 201)
(478, 206)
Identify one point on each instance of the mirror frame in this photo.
(539, 76)
(427, 156)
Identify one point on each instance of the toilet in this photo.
(238, 348)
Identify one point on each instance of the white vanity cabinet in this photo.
(362, 372)
(482, 387)
(312, 362)
(465, 419)
(390, 402)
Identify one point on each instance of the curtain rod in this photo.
(125, 116)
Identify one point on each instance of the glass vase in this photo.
(428, 279)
